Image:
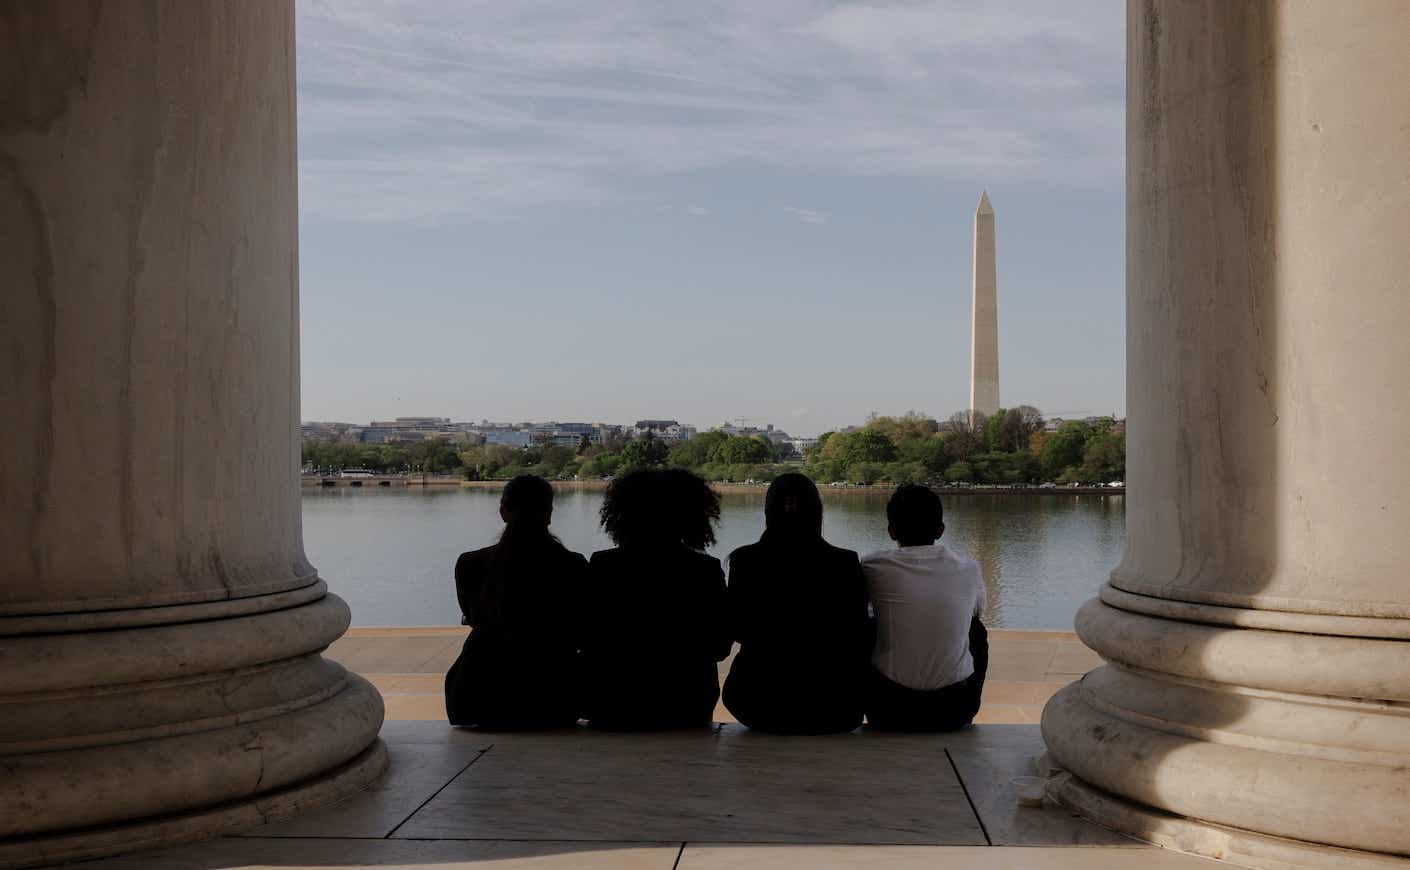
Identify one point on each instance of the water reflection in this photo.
(389, 552)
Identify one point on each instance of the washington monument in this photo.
(984, 348)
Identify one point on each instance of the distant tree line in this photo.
(429, 457)
(1013, 446)
(1010, 447)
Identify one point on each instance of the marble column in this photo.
(1255, 701)
(160, 626)
(984, 325)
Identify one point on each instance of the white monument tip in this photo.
(984, 206)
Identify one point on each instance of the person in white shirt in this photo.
(932, 650)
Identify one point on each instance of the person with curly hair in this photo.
(656, 612)
(522, 597)
(798, 608)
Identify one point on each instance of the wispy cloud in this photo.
(698, 211)
(421, 109)
(807, 215)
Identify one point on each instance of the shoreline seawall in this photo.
(731, 488)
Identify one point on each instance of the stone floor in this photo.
(722, 798)
(707, 800)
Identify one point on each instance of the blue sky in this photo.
(705, 210)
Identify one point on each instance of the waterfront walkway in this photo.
(707, 800)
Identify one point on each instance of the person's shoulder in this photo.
(961, 561)
(960, 564)
(876, 557)
(840, 554)
(571, 557)
(605, 557)
(471, 563)
(703, 561)
(746, 553)
(472, 558)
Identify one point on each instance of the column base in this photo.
(124, 737)
(40, 851)
(1216, 737)
(1239, 847)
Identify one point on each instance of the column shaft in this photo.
(160, 627)
(1258, 627)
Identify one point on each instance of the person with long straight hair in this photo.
(522, 597)
(657, 606)
(798, 608)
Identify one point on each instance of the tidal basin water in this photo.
(389, 552)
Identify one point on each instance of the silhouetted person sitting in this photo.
(522, 597)
(656, 615)
(798, 607)
(932, 651)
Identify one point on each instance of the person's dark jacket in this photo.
(657, 630)
(798, 609)
(519, 667)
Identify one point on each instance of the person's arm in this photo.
(594, 627)
(717, 614)
(579, 620)
(978, 634)
(979, 647)
(467, 587)
(738, 606)
(869, 638)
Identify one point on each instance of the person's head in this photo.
(654, 506)
(526, 506)
(793, 508)
(527, 501)
(914, 515)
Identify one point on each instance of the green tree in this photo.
(865, 445)
(929, 452)
(555, 459)
(906, 472)
(912, 426)
(741, 450)
(994, 431)
(696, 450)
(825, 470)
(1104, 458)
(1064, 448)
(643, 452)
(960, 472)
(865, 472)
(815, 452)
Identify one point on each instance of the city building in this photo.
(568, 434)
(666, 430)
(507, 437)
(768, 432)
(802, 444)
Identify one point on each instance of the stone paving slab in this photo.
(987, 775)
(433, 731)
(256, 853)
(735, 857)
(415, 773)
(728, 786)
